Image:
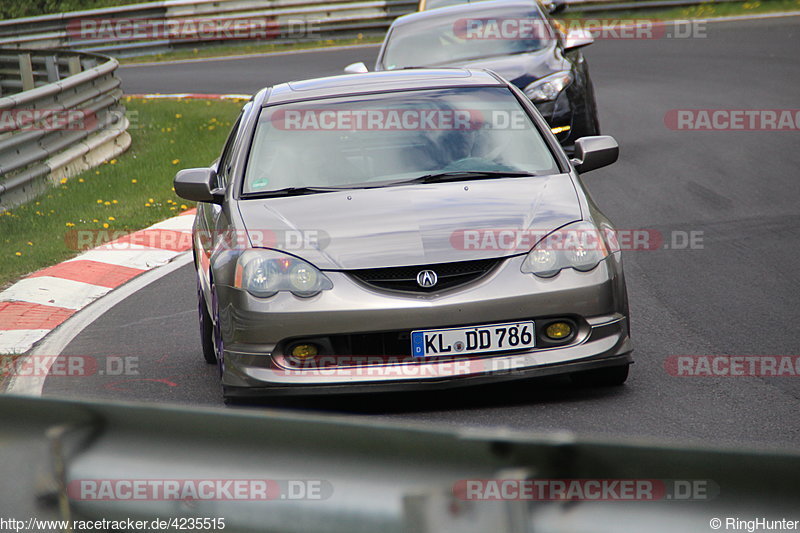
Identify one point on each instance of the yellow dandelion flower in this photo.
(134, 181)
(150, 200)
(99, 201)
(63, 181)
(176, 161)
(97, 172)
(81, 180)
(95, 220)
(147, 205)
(113, 161)
(30, 243)
(183, 206)
(178, 115)
(105, 224)
(70, 224)
(18, 254)
(112, 218)
(114, 202)
(106, 203)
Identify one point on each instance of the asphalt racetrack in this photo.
(735, 293)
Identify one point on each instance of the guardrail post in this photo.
(51, 66)
(26, 72)
(74, 64)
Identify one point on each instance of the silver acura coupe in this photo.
(403, 230)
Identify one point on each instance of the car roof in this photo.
(380, 81)
(456, 11)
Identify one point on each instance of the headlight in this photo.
(549, 87)
(580, 246)
(264, 273)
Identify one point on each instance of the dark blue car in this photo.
(516, 39)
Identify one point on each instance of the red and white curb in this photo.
(39, 303)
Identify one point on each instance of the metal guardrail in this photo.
(323, 19)
(60, 114)
(369, 476)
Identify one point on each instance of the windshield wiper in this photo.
(461, 175)
(293, 191)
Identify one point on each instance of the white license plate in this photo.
(472, 340)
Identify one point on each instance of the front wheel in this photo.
(206, 327)
(601, 377)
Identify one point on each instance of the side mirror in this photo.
(577, 39)
(356, 68)
(197, 184)
(555, 6)
(594, 152)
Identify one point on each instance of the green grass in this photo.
(248, 49)
(10, 9)
(127, 193)
(707, 10)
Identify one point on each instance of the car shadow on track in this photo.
(512, 394)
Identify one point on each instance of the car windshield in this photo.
(450, 39)
(382, 139)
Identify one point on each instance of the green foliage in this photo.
(11, 9)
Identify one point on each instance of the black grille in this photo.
(386, 344)
(405, 278)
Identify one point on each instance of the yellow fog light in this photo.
(302, 352)
(558, 330)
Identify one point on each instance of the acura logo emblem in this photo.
(427, 279)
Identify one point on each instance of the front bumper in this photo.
(255, 330)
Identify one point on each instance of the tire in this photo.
(592, 122)
(206, 327)
(613, 376)
(216, 332)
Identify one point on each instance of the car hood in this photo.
(408, 225)
(521, 69)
